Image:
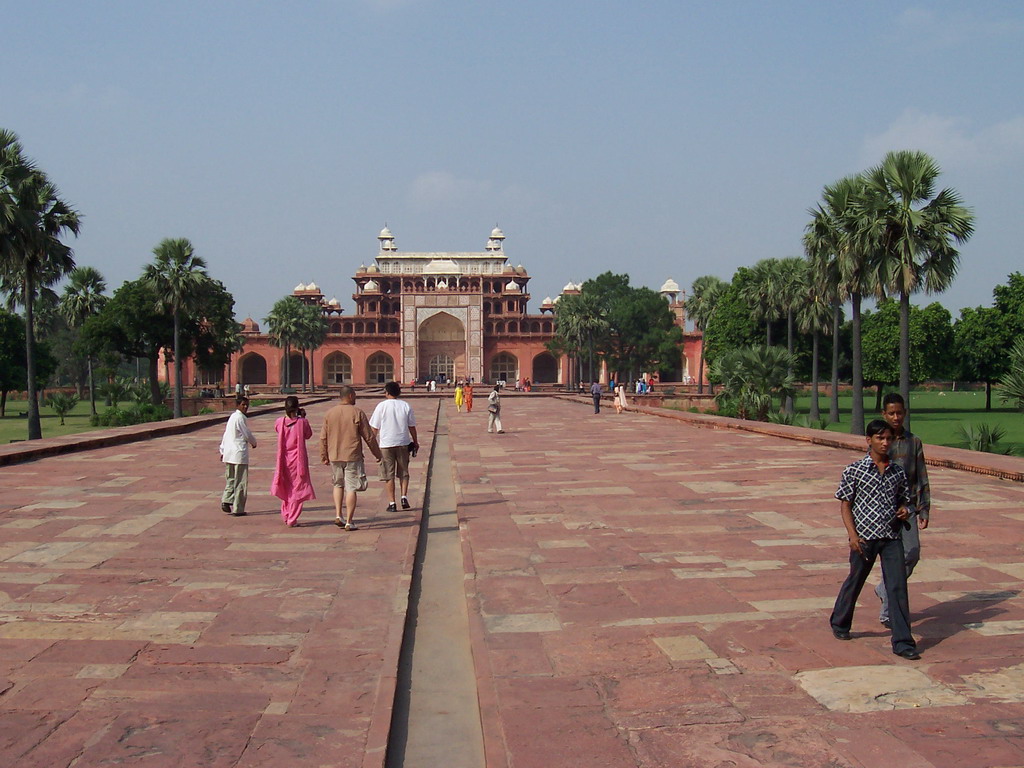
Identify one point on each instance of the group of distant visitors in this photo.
(389, 434)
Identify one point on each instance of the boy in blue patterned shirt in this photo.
(874, 495)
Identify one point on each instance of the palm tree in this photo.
(284, 326)
(312, 332)
(178, 276)
(700, 306)
(762, 293)
(912, 233)
(580, 320)
(792, 275)
(750, 376)
(813, 316)
(841, 262)
(33, 218)
(83, 298)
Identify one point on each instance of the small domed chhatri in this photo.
(419, 315)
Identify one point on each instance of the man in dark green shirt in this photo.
(907, 451)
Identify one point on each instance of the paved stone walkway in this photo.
(642, 593)
(141, 626)
(652, 594)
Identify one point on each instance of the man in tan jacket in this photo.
(345, 430)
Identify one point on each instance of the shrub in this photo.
(136, 414)
(984, 438)
(204, 411)
(62, 404)
(751, 377)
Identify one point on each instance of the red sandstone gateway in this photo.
(419, 316)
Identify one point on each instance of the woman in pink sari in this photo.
(291, 476)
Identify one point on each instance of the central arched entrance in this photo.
(441, 348)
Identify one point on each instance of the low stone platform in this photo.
(141, 626)
(650, 593)
(642, 591)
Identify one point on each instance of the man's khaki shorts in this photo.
(348, 474)
(395, 463)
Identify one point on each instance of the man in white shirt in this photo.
(234, 452)
(394, 424)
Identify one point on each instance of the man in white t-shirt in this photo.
(394, 424)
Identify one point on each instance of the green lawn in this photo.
(935, 416)
(15, 427)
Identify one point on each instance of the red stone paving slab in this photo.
(141, 626)
(653, 593)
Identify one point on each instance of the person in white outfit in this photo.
(234, 452)
(494, 411)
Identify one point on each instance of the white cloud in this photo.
(953, 141)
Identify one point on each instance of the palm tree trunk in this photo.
(905, 354)
(92, 386)
(815, 413)
(768, 332)
(789, 348)
(35, 429)
(988, 395)
(833, 407)
(857, 411)
(177, 367)
(700, 368)
(153, 366)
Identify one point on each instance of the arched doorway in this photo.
(545, 369)
(252, 369)
(380, 368)
(441, 347)
(338, 369)
(504, 367)
(442, 368)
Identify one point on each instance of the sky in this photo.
(663, 139)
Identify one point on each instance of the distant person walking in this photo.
(620, 398)
(394, 423)
(873, 495)
(345, 430)
(494, 411)
(907, 451)
(595, 393)
(459, 397)
(467, 396)
(291, 483)
(234, 452)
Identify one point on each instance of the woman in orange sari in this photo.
(467, 396)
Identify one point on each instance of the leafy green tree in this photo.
(83, 297)
(912, 233)
(179, 277)
(700, 306)
(931, 339)
(1009, 300)
(312, 334)
(210, 332)
(981, 338)
(1012, 382)
(734, 325)
(793, 275)
(33, 218)
(579, 320)
(130, 324)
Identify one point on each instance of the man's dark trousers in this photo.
(597, 402)
(890, 552)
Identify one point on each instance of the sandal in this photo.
(339, 522)
(351, 527)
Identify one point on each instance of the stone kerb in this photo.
(30, 450)
(1003, 467)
